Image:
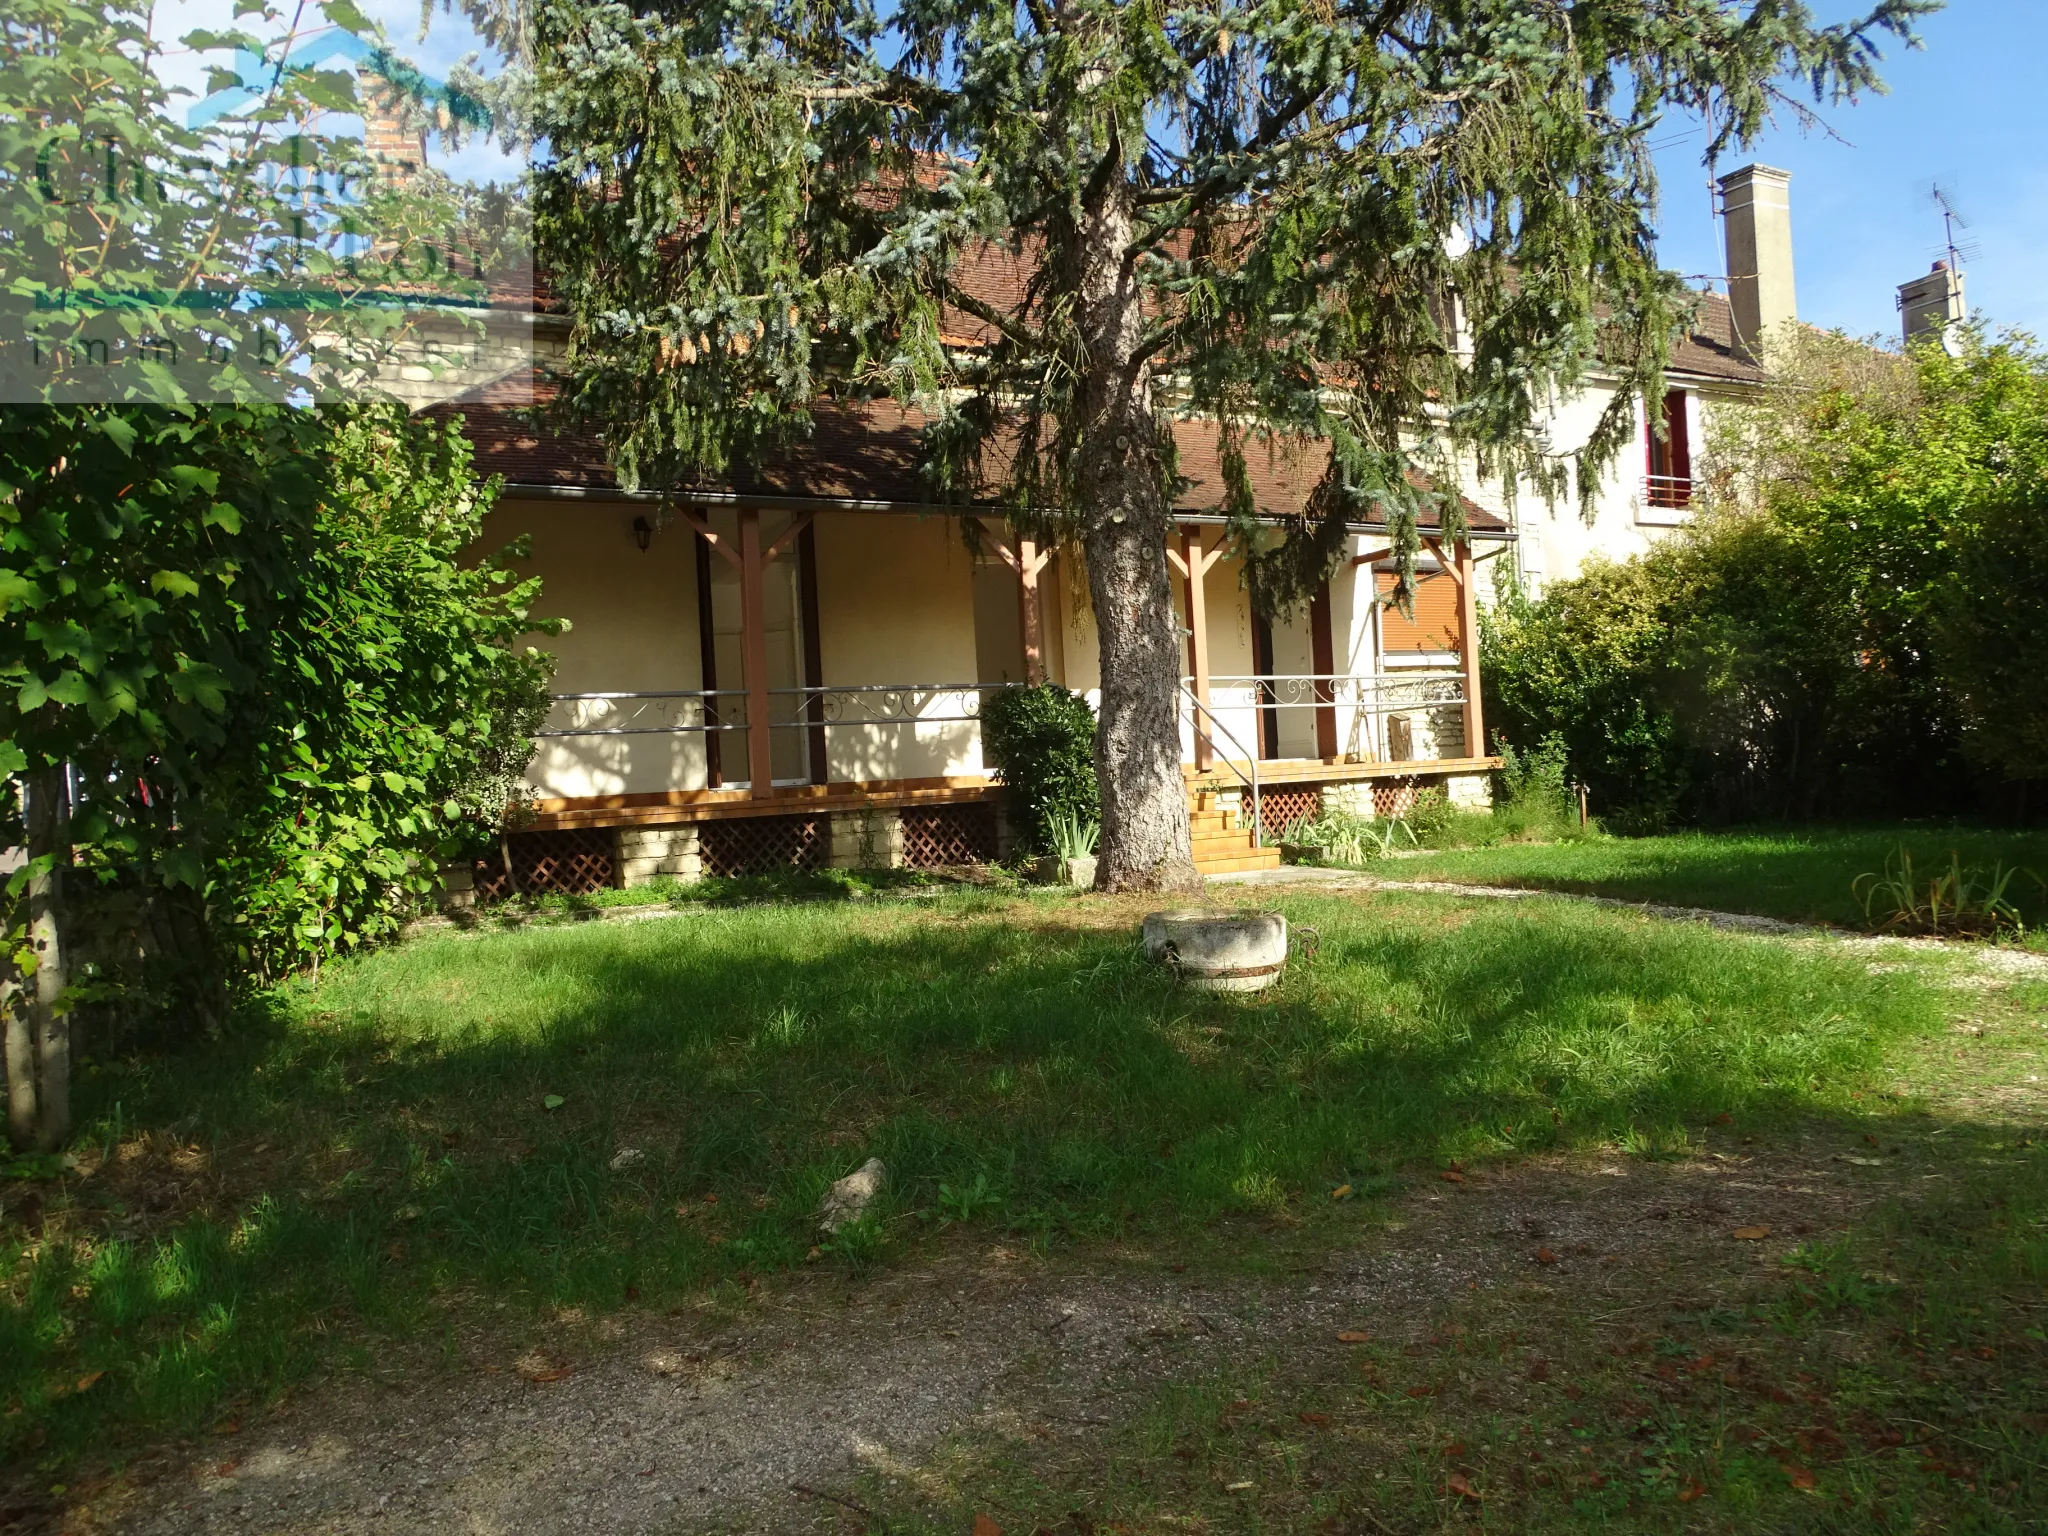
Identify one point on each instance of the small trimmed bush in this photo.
(1040, 742)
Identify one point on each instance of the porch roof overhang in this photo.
(704, 500)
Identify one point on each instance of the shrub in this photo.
(1851, 626)
(1040, 743)
(1533, 794)
(302, 690)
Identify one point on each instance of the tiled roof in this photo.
(870, 451)
(1710, 350)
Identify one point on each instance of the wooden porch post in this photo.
(1468, 648)
(1323, 657)
(754, 651)
(1194, 565)
(1029, 563)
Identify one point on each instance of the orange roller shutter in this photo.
(1435, 625)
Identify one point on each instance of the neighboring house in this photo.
(1650, 488)
(786, 671)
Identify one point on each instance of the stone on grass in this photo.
(848, 1199)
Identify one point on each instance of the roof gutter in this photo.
(709, 500)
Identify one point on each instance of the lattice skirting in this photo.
(939, 835)
(1394, 797)
(1281, 808)
(760, 845)
(575, 863)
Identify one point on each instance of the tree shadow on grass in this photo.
(1802, 873)
(576, 1117)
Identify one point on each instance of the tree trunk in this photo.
(21, 1060)
(1125, 524)
(39, 1068)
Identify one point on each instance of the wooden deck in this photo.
(677, 807)
(1335, 770)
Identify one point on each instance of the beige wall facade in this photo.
(901, 602)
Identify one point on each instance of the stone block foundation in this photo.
(646, 853)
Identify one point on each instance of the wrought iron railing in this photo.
(1673, 492)
(692, 711)
(1363, 702)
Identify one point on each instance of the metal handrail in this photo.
(1258, 821)
(891, 705)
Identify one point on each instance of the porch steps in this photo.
(1222, 847)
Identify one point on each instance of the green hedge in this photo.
(1040, 742)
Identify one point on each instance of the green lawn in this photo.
(496, 1125)
(1803, 874)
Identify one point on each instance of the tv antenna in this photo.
(1952, 220)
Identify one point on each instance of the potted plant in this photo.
(1072, 861)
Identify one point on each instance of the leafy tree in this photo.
(255, 691)
(1854, 624)
(257, 696)
(1392, 224)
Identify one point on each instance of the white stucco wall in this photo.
(1557, 542)
(896, 605)
(633, 620)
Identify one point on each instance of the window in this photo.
(1669, 482)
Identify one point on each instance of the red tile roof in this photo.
(870, 451)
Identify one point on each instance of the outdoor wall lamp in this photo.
(643, 533)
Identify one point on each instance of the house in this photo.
(827, 600)
(787, 670)
(1650, 489)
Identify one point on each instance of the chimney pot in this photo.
(1756, 211)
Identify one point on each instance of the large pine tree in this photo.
(1397, 225)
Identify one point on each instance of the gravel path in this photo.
(764, 1422)
(1992, 959)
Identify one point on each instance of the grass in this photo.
(1887, 1373)
(503, 1124)
(1888, 1380)
(1803, 875)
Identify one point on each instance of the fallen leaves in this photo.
(1341, 1192)
(1752, 1234)
(1688, 1492)
(1799, 1476)
(1354, 1336)
(1460, 1485)
(553, 1101)
(1313, 1418)
(984, 1526)
(1451, 1176)
(1545, 1256)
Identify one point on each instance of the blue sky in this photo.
(1971, 111)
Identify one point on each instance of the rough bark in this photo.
(21, 1060)
(48, 1077)
(1125, 524)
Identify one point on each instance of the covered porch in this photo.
(756, 679)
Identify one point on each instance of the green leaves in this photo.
(287, 694)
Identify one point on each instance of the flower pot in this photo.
(1220, 951)
(1080, 871)
(1300, 853)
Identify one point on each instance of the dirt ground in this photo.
(764, 1415)
(977, 1373)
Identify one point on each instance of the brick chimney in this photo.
(386, 140)
(1933, 305)
(1756, 214)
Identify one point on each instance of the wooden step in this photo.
(1260, 858)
